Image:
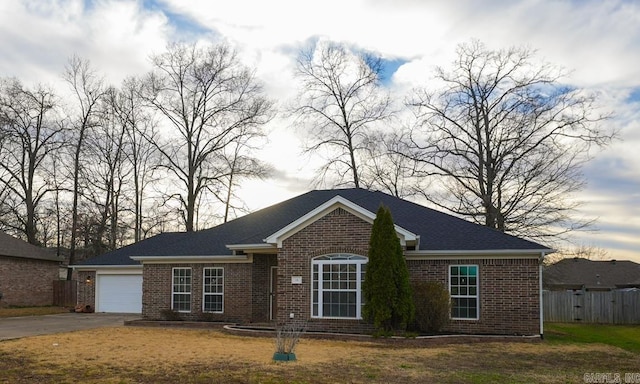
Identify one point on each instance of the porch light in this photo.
(88, 280)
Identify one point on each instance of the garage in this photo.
(119, 293)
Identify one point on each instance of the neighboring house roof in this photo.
(12, 247)
(580, 273)
(435, 230)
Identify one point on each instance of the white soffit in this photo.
(324, 209)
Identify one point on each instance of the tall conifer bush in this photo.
(386, 289)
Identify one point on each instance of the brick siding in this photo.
(27, 282)
(157, 286)
(87, 289)
(509, 294)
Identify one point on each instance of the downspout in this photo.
(542, 255)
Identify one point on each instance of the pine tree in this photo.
(386, 289)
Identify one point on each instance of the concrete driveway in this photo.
(17, 327)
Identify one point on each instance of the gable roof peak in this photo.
(338, 201)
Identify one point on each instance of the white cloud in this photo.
(40, 36)
(598, 40)
(123, 37)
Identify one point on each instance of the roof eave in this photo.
(30, 257)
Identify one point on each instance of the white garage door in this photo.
(119, 293)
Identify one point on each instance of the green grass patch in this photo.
(626, 337)
(31, 311)
(484, 378)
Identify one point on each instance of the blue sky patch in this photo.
(606, 175)
(184, 25)
(634, 96)
(389, 67)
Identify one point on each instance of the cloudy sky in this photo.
(598, 40)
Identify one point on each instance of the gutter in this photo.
(482, 253)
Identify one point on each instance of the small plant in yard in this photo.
(433, 306)
(287, 337)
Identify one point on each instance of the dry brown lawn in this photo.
(31, 311)
(156, 355)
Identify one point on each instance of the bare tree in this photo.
(339, 101)
(240, 165)
(105, 174)
(142, 155)
(387, 168)
(88, 89)
(504, 139)
(30, 135)
(209, 99)
(56, 211)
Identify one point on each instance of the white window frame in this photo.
(204, 286)
(466, 296)
(337, 259)
(173, 288)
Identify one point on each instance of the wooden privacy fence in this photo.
(65, 293)
(607, 307)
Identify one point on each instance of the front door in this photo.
(273, 294)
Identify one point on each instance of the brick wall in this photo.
(87, 289)
(337, 232)
(509, 294)
(27, 282)
(157, 285)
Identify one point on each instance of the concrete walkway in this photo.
(17, 327)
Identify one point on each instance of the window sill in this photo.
(336, 318)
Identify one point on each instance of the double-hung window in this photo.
(463, 286)
(336, 285)
(213, 290)
(181, 290)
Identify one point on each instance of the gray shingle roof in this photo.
(438, 231)
(576, 273)
(12, 247)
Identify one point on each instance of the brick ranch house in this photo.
(27, 273)
(305, 259)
